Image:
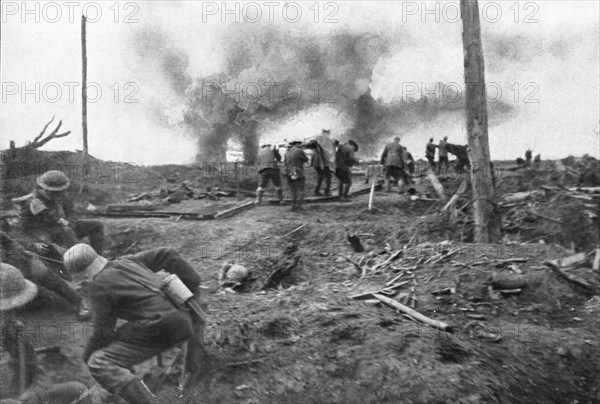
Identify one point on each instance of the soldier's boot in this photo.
(280, 195)
(328, 186)
(341, 191)
(388, 185)
(259, 196)
(318, 187)
(136, 392)
(346, 191)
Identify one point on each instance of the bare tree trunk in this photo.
(486, 216)
(84, 87)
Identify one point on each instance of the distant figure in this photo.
(294, 172)
(345, 158)
(442, 155)
(408, 161)
(268, 169)
(528, 155)
(393, 162)
(323, 152)
(537, 161)
(430, 154)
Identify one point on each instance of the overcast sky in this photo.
(550, 76)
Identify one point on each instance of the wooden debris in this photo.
(510, 291)
(414, 314)
(521, 196)
(596, 264)
(551, 219)
(360, 269)
(126, 207)
(572, 260)
(401, 275)
(388, 260)
(570, 278)
(234, 210)
(382, 290)
(502, 261)
(459, 192)
(294, 231)
(508, 281)
(437, 186)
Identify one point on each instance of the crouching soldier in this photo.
(129, 289)
(268, 169)
(28, 384)
(345, 158)
(47, 214)
(34, 269)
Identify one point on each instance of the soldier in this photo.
(15, 293)
(294, 172)
(323, 150)
(47, 213)
(130, 289)
(430, 154)
(48, 282)
(442, 155)
(345, 158)
(392, 160)
(528, 157)
(268, 169)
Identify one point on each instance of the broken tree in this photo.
(486, 216)
(40, 140)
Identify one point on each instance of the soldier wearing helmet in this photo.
(47, 213)
(129, 289)
(16, 292)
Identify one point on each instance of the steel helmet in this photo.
(53, 180)
(81, 256)
(15, 290)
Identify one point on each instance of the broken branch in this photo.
(570, 278)
(414, 314)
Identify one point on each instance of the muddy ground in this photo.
(308, 342)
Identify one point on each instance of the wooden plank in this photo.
(440, 325)
(232, 211)
(118, 207)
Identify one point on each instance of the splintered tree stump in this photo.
(356, 244)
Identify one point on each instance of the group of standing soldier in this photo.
(328, 157)
(461, 152)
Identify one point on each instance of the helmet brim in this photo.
(27, 295)
(51, 188)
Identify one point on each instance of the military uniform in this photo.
(268, 169)
(15, 293)
(47, 220)
(392, 159)
(345, 158)
(294, 172)
(442, 155)
(430, 154)
(322, 161)
(36, 271)
(129, 289)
